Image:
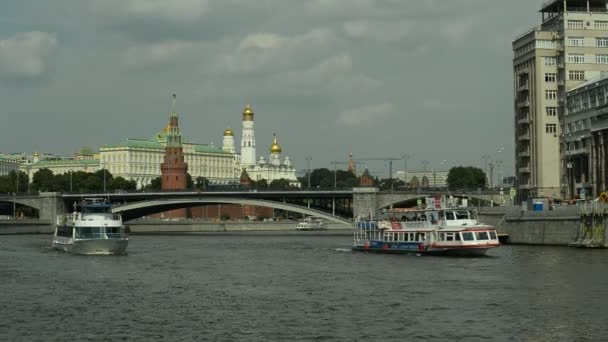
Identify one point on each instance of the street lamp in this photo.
(406, 156)
(308, 161)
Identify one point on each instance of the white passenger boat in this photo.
(91, 229)
(440, 231)
(312, 223)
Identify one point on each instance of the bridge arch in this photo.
(135, 210)
(410, 201)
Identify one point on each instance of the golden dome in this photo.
(275, 148)
(36, 154)
(247, 113)
(228, 132)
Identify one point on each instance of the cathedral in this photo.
(272, 169)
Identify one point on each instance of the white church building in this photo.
(271, 169)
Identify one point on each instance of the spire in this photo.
(173, 113)
(351, 163)
(174, 137)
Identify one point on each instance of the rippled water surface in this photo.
(288, 287)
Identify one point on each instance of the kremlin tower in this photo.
(248, 139)
(275, 152)
(228, 145)
(174, 169)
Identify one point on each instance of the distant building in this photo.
(85, 160)
(8, 164)
(568, 48)
(433, 179)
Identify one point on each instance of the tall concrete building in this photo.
(568, 48)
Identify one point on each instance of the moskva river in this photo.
(297, 287)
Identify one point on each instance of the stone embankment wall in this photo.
(162, 227)
(10, 227)
(549, 227)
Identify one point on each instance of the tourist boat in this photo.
(312, 223)
(91, 229)
(438, 231)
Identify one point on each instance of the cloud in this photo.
(264, 52)
(155, 54)
(364, 115)
(27, 55)
(175, 11)
(379, 30)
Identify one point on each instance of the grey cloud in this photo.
(27, 55)
(365, 115)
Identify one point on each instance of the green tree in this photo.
(120, 183)
(280, 184)
(468, 178)
(155, 185)
(262, 184)
(189, 181)
(44, 180)
(201, 183)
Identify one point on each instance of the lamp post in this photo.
(570, 191)
(308, 161)
(405, 158)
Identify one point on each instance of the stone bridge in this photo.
(359, 201)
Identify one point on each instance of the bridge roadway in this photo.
(362, 200)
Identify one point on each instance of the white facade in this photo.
(139, 160)
(248, 138)
(8, 164)
(274, 169)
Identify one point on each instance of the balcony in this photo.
(525, 136)
(523, 119)
(561, 83)
(523, 154)
(525, 103)
(524, 186)
(560, 65)
(523, 87)
(525, 169)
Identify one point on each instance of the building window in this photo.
(576, 58)
(550, 78)
(576, 75)
(575, 24)
(601, 59)
(550, 94)
(547, 44)
(550, 61)
(601, 25)
(551, 111)
(576, 41)
(601, 42)
(551, 128)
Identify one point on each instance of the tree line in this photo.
(459, 178)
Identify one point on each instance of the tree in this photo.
(262, 184)
(155, 184)
(468, 177)
(201, 183)
(44, 180)
(189, 182)
(120, 183)
(280, 184)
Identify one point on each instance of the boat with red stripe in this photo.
(434, 229)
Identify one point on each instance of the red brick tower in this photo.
(174, 169)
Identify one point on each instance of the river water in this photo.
(295, 287)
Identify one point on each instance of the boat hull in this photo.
(469, 251)
(93, 246)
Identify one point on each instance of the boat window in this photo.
(113, 232)
(441, 237)
(493, 235)
(449, 215)
(457, 236)
(88, 232)
(64, 231)
(449, 237)
(462, 215)
(482, 235)
(467, 236)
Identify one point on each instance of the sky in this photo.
(379, 78)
